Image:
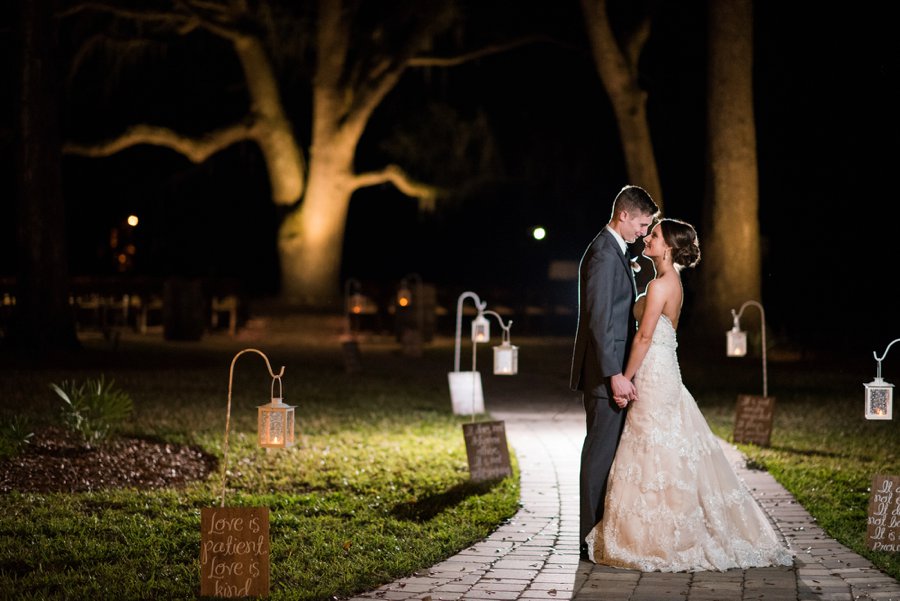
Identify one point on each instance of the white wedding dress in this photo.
(674, 503)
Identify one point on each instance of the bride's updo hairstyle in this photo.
(681, 237)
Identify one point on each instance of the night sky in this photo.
(826, 125)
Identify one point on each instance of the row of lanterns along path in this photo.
(753, 423)
(486, 446)
(234, 541)
(234, 550)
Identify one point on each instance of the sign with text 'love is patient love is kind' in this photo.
(883, 529)
(234, 552)
(753, 422)
(487, 450)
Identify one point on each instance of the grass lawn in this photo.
(376, 487)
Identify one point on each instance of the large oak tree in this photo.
(360, 50)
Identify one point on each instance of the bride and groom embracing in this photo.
(656, 491)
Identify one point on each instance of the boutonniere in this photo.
(635, 266)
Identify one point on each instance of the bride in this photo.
(673, 502)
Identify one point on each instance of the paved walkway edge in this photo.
(535, 555)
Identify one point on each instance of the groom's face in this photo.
(635, 225)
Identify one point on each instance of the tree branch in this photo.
(425, 193)
(183, 19)
(368, 92)
(196, 149)
(136, 14)
(635, 44)
(453, 61)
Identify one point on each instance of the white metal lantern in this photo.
(276, 422)
(880, 394)
(481, 329)
(879, 399)
(736, 339)
(736, 342)
(506, 359)
(404, 295)
(356, 303)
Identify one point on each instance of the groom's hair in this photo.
(634, 199)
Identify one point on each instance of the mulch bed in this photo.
(57, 461)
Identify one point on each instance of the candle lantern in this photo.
(736, 342)
(353, 305)
(465, 386)
(506, 359)
(276, 421)
(481, 328)
(879, 399)
(353, 298)
(356, 303)
(506, 356)
(404, 294)
(879, 393)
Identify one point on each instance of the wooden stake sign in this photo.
(487, 450)
(352, 356)
(753, 422)
(234, 552)
(883, 529)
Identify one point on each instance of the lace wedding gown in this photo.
(673, 502)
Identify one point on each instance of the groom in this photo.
(606, 326)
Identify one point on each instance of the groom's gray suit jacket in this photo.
(606, 327)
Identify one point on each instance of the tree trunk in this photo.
(43, 319)
(311, 238)
(618, 71)
(730, 239)
(273, 131)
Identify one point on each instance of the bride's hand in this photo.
(622, 402)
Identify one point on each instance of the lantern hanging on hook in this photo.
(276, 421)
(879, 393)
(506, 355)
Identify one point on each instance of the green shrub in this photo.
(14, 435)
(94, 408)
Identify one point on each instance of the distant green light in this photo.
(538, 232)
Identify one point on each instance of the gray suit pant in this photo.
(605, 421)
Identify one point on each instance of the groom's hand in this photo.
(623, 390)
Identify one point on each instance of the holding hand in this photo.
(623, 390)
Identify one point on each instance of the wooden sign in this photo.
(487, 451)
(753, 422)
(234, 552)
(412, 342)
(883, 529)
(352, 358)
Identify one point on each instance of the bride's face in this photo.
(654, 244)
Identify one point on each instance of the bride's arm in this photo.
(653, 306)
